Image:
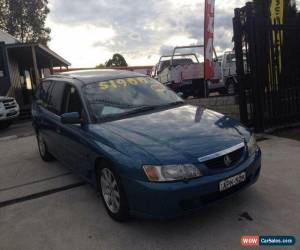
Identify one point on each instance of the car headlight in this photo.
(171, 172)
(252, 146)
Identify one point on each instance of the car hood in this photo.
(5, 98)
(181, 134)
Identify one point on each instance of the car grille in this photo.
(12, 114)
(219, 163)
(9, 104)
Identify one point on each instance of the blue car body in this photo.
(176, 135)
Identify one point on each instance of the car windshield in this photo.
(119, 97)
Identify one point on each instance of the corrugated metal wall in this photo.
(4, 78)
(16, 87)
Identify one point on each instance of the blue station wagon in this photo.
(146, 151)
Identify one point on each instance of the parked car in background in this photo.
(147, 152)
(9, 110)
(225, 76)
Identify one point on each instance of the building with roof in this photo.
(22, 65)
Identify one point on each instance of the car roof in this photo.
(90, 76)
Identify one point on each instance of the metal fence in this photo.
(268, 66)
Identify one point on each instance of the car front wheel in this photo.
(230, 86)
(112, 193)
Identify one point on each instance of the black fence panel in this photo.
(268, 66)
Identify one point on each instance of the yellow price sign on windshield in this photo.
(104, 85)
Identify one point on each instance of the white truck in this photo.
(9, 110)
(225, 80)
(184, 73)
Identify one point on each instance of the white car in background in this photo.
(9, 110)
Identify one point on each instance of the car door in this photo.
(39, 110)
(75, 137)
(47, 114)
(51, 118)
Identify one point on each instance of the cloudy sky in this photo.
(88, 32)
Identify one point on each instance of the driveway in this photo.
(44, 206)
(21, 128)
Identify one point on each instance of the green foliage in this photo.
(25, 20)
(116, 61)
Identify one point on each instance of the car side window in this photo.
(73, 102)
(55, 99)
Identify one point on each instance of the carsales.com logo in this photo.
(255, 240)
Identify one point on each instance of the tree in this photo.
(25, 20)
(116, 61)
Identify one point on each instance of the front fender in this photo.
(125, 165)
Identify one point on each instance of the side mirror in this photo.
(70, 118)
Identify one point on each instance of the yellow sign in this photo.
(122, 82)
(277, 13)
(132, 81)
(277, 7)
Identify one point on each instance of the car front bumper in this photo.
(168, 200)
(10, 114)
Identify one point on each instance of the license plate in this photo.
(232, 181)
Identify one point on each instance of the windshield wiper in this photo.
(171, 104)
(130, 112)
(138, 110)
(113, 103)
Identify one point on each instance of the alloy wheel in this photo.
(110, 190)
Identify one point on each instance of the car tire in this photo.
(112, 192)
(43, 149)
(230, 87)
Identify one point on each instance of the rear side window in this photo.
(55, 97)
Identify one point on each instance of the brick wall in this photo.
(226, 105)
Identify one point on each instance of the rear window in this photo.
(176, 62)
(50, 96)
(56, 97)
